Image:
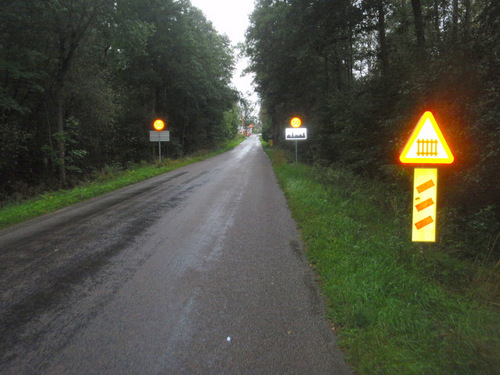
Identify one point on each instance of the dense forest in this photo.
(81, 82)
(361, 72)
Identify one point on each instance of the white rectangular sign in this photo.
(156, 136)
(296, 134)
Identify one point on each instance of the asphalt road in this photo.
(197, 271)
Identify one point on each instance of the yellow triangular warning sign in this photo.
(427, 144)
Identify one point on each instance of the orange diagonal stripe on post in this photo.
(422, 223)
(425, 186)
(422, 206)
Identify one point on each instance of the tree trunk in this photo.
(419, 23)
(436, 21)
(384, 56)
(467, 20)
(454, 22)
(327, 73)
(350, 72)
(184, 124)
(276, 130)
(419, 32)
(61, 149)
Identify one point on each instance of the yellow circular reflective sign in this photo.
(159, 125)
(296, 122)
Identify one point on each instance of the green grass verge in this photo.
(394, 309)
(15, 213)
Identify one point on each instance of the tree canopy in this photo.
(82, 80)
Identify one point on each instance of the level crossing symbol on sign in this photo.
(427, 144)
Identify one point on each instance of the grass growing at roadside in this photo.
(392, 316)
(18, 212)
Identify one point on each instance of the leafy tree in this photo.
(81, 81)
(362, 72)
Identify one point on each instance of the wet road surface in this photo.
(197, 271)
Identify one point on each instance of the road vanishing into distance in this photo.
(197, 271)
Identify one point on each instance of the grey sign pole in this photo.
(296, 134)
(296, 161)
(159, 150)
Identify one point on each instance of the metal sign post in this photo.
(159, 136)
(296, 134)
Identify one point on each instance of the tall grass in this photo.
(392, 315)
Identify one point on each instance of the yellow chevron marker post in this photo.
(424, 205)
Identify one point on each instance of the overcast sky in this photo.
(230, 17)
